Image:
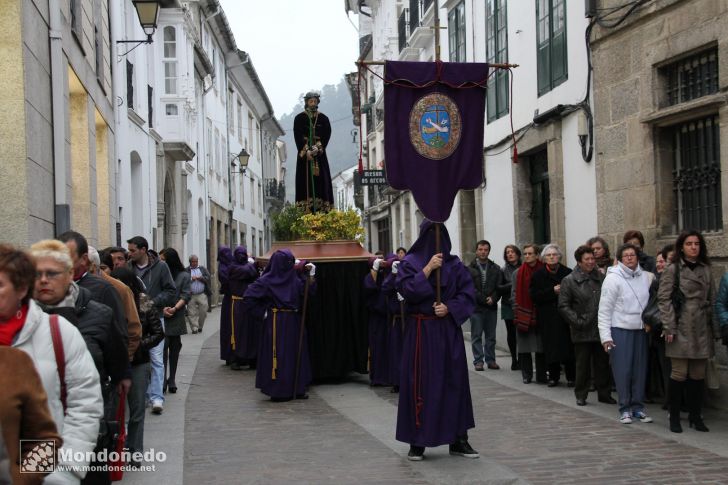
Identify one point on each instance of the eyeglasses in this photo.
(550, 254)
(51, 275)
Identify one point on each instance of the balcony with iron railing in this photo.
(403, 29)
(419, 35)
(275, 191)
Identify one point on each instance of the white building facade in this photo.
(550, 194)
(191, 103)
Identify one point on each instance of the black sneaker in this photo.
(463, 448)
(416, 453)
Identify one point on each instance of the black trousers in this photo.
(588, 355)
(569, 370)
(172, 348)
(512, 338)
(527, 366)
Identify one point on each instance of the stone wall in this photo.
(633, 147)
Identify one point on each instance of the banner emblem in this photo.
(435, 126)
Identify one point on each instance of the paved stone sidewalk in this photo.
(344, 434)
(219, 429)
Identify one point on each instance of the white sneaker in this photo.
(157, 407)
(626, 418)
(642, 416)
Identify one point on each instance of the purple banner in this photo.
(433, 131)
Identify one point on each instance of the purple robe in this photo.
(244, 329)
(378, 330)
(435, 406)
(395, 328)
(225, 259)
(278, 295)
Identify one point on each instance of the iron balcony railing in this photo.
(275, 189)
(403, 31)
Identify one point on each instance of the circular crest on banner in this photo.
(435, 126)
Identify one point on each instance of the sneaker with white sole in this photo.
(642, 416)
(626, 418)
(157, 407)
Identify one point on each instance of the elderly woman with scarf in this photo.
(278, 297)
(524, 317)
(379, 319)
(245, 333)
(224, 260)
(555, 332)
(435, 406)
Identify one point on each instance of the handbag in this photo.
(60, 358)
(116, 467)
(651, 313)
(712, 379)
(112, 434)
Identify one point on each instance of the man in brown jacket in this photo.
(24, 414)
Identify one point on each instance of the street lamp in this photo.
(243, 158)
(148, 13)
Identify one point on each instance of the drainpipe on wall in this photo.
(62, 209)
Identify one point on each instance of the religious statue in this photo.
(312, 131)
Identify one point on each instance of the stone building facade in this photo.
(57, 161)
(661, 123)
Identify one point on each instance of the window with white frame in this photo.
(170, 60)
(252, 195)
(250, 132)
(209, 145)
(231, 119)
(496, 51)
(217, 150)
(456, 30)
(240, 121)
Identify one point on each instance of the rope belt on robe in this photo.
(275, 356)
(417, 386)
(232, 319)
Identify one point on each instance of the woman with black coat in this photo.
(175, 324)
(555, 333)
(152, 334)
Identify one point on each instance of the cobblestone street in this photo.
(228, 432)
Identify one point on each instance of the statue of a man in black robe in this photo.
(312, 131)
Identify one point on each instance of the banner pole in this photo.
(437, 271)
(437, 40)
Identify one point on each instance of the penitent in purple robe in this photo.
(244, 329)
(435, 406)
(395, 326)
(376, 302)
(278, 294)
(224, 260)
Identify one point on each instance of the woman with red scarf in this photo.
(528, 340)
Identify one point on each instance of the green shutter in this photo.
(490, 100)
(558, 44)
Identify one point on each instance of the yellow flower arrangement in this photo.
(295, 223)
